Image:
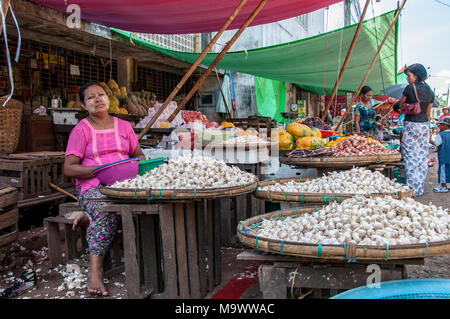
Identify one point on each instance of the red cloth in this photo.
(443, 115)
(183, 16)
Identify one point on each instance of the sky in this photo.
(424, 35)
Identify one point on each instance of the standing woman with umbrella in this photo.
(416, 129)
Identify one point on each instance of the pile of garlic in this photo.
(364, 221)
(246, 140)
(190, 171)
(355, 181)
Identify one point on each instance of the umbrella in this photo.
(396, 91)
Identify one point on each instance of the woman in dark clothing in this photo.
(416, 129)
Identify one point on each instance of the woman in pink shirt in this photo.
(97, 140)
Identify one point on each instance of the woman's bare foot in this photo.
(95, 284)
(95, 281)
(81, 219)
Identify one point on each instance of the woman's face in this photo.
(367, 96)
(95, 100)
(411, 77)
(445, 111)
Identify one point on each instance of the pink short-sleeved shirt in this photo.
(100, 147)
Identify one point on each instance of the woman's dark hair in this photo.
(365, 89)
(418, 70)
(84, 88)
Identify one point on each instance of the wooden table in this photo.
(279, 275)
(172, 248)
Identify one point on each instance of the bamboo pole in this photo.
(347, 58)
(62, 191)
(191, 70)
(217, 59)
(372, 63)
(5, 7)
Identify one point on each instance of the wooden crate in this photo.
(233, 210)
(287, 277)
(31, 174)
(59, 229)
(172, 249)
(256, 122)
(9, 215)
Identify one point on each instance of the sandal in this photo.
(27, 280)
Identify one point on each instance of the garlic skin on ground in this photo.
(191, 171)
(364, 221)
(354, 181)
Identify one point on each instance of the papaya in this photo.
(285, 141)
(116, 93)
(309, 143)
(112, 84)
(298, 130)
(316, 132)
(106, 88)
(123, 110)
(114, 101)
(113, 109)
(123, 91)
(70, 104)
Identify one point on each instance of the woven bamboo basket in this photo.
(10, 122)
(177, 194)
(323, 198)
(341, 161)
(346, 252)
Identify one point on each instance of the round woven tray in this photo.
(176, 194)
(324, 198)
(349, 253)
(341, 161)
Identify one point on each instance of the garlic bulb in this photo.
(191, 171)
(355, 181)
(360, 220)
(246, 140)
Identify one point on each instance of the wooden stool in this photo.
(112, 263)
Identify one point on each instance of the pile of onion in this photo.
(357, 146)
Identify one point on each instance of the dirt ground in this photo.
(31, 251)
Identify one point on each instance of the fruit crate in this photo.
(31, 173)
(9, 214)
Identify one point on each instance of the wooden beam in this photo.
(217, 60)
(347, 58)
(191, 69)
(372, 63)
(5, 7)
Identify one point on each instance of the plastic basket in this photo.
(148, 165)
(401, 289)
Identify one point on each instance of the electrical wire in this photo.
(445, 4)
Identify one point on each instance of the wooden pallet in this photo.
(289, 277)
(31, 174)
(9, 215)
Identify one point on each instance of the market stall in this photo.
(182, 193)
(341, 237)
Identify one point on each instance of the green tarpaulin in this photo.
(313, 63)
(270, 97)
